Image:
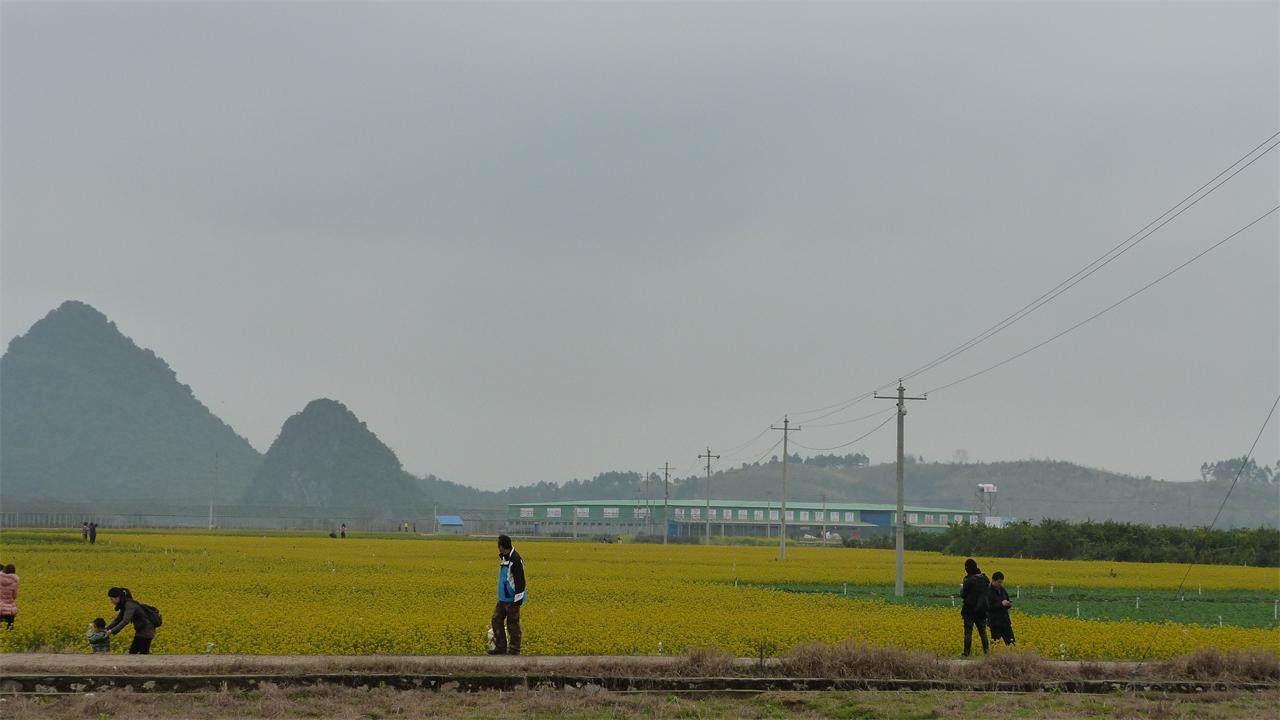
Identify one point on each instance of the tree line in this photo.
(1103, 541)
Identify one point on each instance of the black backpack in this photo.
(153, 614)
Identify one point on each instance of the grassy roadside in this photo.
(347, 703)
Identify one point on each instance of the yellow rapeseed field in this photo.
(316, 595)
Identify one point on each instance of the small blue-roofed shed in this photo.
(450, 524)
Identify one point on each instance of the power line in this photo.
(847, 422)
(1243, 464)
(861, 437)
(1107, 309)
(1058, 289)
(1097, 264)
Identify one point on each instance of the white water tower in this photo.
(985, 501)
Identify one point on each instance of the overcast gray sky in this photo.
(538, 241)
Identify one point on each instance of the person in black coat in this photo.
(130, 612)
(974, 593)
(998, 604)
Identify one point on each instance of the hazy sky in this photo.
(538, 241)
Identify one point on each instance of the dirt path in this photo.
(16, 663)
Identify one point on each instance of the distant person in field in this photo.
(99, 640)
(998, 605)
(129, 610)
(9, 595)
(84, 531)
(343, 533)
(974, 594)
(511, 595)
(93, 533)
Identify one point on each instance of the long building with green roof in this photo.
(689, 518)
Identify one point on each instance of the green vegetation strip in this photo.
(1242, 608)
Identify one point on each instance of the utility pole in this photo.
(213, 488)
(824, 519)
(666, 501)
(782, 516)
(648, 507)
(707, 533)
(899, 518)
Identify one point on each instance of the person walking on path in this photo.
(974, 608)
(84, 531)
(9, 595)
(998, 605)
(129, 610)
(93, 533)
(511, 595)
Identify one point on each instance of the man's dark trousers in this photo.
(1002, 631)
(981, 623)
(507, 639)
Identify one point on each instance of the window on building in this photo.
(611, 512)
(913, 518)
(640, 512)
(742, 514)
(526, 512)
(759, 514)
(791, 515)
(928, 519)
(679, 513)
(695, 513)
(582, 512)
(773, 515)
(553, 512)
(804, 516)
(850, 517)
(711, 513)
(973, 519)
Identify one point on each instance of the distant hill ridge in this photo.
(87, 415)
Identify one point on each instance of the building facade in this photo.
(690, 518)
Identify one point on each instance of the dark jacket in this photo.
(996, 611)
(511, 579)
(974, 592)
(132, 612)
(99, 641)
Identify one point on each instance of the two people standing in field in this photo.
(505, 624)
(985, 604)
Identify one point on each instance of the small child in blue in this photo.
(99, 640)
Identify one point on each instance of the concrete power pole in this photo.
(666, 501)
(782, 516)
(899, 519)
(707, 533)
(213, 488)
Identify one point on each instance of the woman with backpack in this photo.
(145, 619)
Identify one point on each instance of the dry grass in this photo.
(1235, 665)
(850, 660)
(1017, 665)
(354, 704)
(704, 662)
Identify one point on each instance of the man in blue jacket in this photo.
(511, 595)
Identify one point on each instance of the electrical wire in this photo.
(1243, 464)
(1061, 287)
(1105, 310)
(857, 439)
(1099, 263)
